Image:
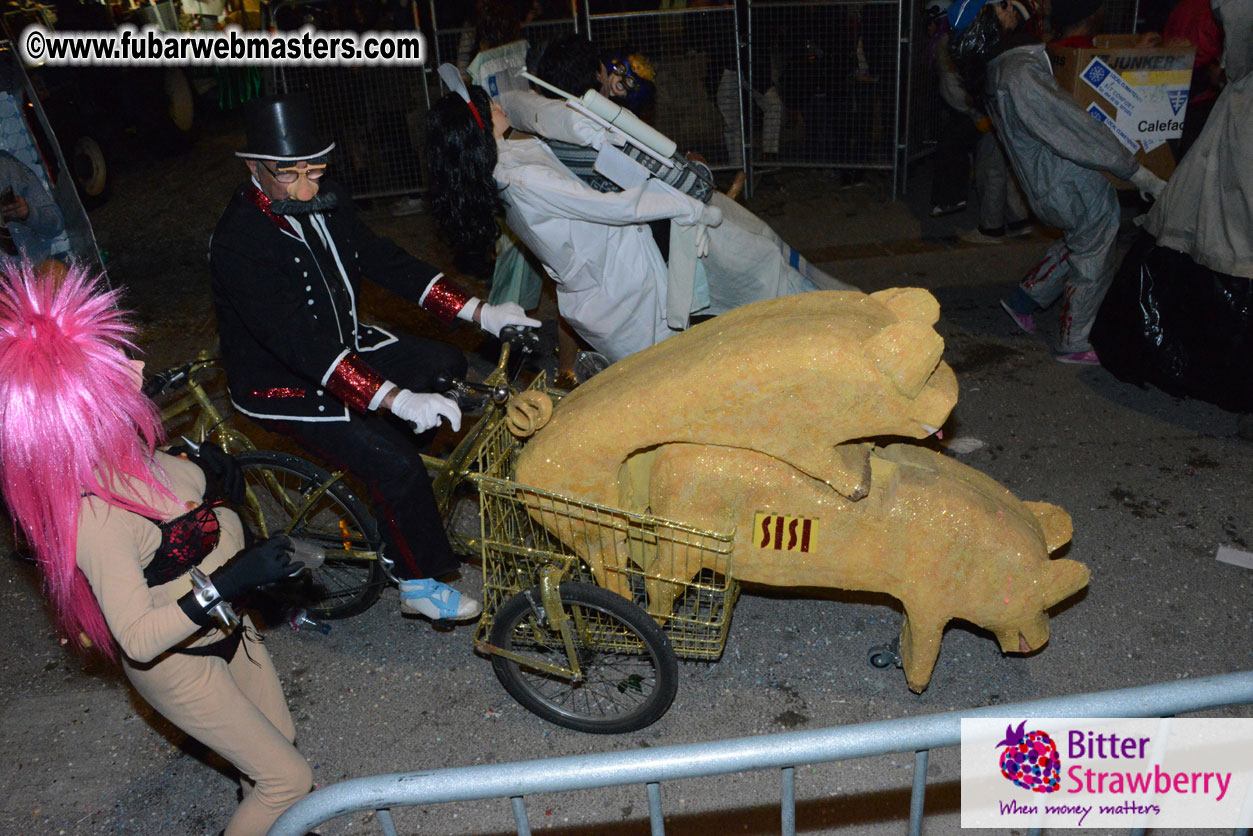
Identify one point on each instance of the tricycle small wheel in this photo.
(883, 657)
(630, 673)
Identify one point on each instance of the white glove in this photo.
(495, 317)
(1149, 184)
(424, 409)
(702, 240)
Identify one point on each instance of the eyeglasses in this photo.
(291, 173)
(629, 80)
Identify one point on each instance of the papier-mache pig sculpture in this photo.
(757, 421)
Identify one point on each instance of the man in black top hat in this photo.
(287, 260)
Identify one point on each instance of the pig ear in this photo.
(910, 303)
(1063, 578)
(906, 352)
(1055, 523)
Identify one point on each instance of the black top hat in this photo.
(281, 128)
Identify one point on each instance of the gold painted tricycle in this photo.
(566, 648)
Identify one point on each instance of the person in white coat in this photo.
(611, 279)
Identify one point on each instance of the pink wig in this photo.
(72, 422)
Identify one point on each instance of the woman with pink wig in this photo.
(120, 529)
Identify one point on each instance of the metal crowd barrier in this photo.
(515, 781)
(1122, 15)
(828, 84)
(374, 115)
(835, 66)
(453, 40)
(699, 71)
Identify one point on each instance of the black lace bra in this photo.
(186, 541)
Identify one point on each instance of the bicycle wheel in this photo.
(630, 673)
(347, 583)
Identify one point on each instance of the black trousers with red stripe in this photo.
(385, 454)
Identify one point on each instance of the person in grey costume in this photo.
(1059, 152)
(28, 211)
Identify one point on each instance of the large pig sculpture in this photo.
(756, 421)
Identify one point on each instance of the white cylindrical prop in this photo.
(629, 123)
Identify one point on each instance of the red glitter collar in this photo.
(262, 202)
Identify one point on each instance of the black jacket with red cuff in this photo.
(292, 343)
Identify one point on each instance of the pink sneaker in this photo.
(1080, 358)
(1022, 320)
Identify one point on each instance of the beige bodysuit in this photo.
(236, 708)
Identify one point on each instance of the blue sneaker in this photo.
(436, 601)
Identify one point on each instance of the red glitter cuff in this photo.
(354, 382)
(445, 299)
(278, 392)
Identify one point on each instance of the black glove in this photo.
(266, 562)
(224, 478)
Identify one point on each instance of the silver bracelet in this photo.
(211, 601)
(205, 593)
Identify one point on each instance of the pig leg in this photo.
(671, 476)
(921, 633)
(1025, 637)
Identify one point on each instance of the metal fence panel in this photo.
(922, 100)
(453, 40)
(1121, 15)
(922, 104)
(783, 751)
(374, 115)
(832, 83)
(835, 66)
(694, 54)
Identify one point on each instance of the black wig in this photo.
(570, 63)
(460, 157)
(973, 47)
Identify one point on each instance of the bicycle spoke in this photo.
(290, 496)
(337, 580)
(616, 679)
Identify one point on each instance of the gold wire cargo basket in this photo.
(680, 575)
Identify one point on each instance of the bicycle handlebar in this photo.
(173, 379)
(454, 387)
(166, 381)
(522, 338)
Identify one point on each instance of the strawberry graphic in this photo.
(1030, 760)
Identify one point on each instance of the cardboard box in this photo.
(1140, 94)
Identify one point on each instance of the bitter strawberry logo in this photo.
(1030, 759)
